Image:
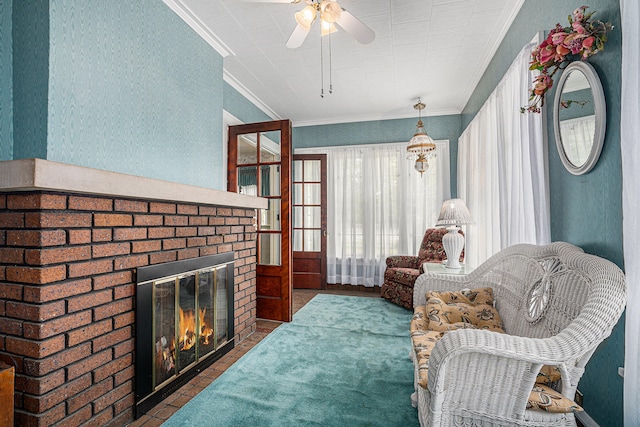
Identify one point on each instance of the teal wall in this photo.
(585, 210)
(575, 111)
(382, 131)
(121, 86)
(6, 82)
(30, 78)
(240, 107)
(133, 89)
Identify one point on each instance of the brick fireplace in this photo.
(71, 239)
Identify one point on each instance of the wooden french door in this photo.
(260, 165)
(309, 221)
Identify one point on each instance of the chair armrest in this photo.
(403, 261)
(494, 373)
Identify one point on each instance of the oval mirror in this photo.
(579, 117)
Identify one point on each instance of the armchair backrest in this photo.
(431, 249)
(541, 290)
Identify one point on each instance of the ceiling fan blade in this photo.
(297, 37)
(354, 27)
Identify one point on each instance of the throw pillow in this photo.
(547, 399)
(469, 308)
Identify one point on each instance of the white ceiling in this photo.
(433, 49)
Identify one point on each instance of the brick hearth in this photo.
(67, 281)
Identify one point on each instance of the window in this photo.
(378, 206)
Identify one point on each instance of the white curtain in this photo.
(502, 172)
(630, 138)
(378, 206)
(574, 134)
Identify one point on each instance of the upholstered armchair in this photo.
(555, 305)
(403, 270)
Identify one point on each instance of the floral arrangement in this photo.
(581, 39)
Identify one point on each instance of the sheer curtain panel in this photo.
(502, 172)
(378, 205)
(630, 150)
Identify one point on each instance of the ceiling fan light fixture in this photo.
(305, 17)
(327, 28)
(331, 11)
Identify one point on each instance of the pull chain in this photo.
(321, 68)
(330, 67)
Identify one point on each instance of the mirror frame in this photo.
(600, 110)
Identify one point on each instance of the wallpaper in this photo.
(238, 106)
(133, 89)
(30, 77)
(586, 210)
(6, 82)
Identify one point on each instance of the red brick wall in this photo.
(67, 292)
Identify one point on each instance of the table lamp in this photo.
(453, 213)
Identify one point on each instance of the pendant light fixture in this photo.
(421, 146)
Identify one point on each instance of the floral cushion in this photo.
(431, 248)
(469, 308)
(404, 276)
(403, 261)
(397, 293)
(423, 341)
(547, 399)
(548, 374)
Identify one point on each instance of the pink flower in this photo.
(573, 42)
(561, 52)
(558, 38)
(582, 38)
(542, 83)
(588, 42)
(547, 54)
(578, 27)
(578, 14)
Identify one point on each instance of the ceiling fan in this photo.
(330, 14)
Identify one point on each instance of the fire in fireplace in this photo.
(184, 322)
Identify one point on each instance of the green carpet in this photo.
(343, 361)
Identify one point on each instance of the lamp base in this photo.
(453, 242)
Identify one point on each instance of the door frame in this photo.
(322, 255)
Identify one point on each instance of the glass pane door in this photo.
(260, 165)
(309, 221)
(307, 226)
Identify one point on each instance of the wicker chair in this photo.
(557, 304)
(403, 270)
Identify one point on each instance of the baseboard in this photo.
(347, 287)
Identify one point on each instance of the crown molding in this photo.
(198, 26)
(251, 97)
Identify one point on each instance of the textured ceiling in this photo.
(433, 49)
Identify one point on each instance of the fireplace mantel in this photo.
(39, 174)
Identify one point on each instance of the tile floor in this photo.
(163, 410)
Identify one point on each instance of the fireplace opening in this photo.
(184, 323)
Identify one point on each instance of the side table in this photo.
(438, 267)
